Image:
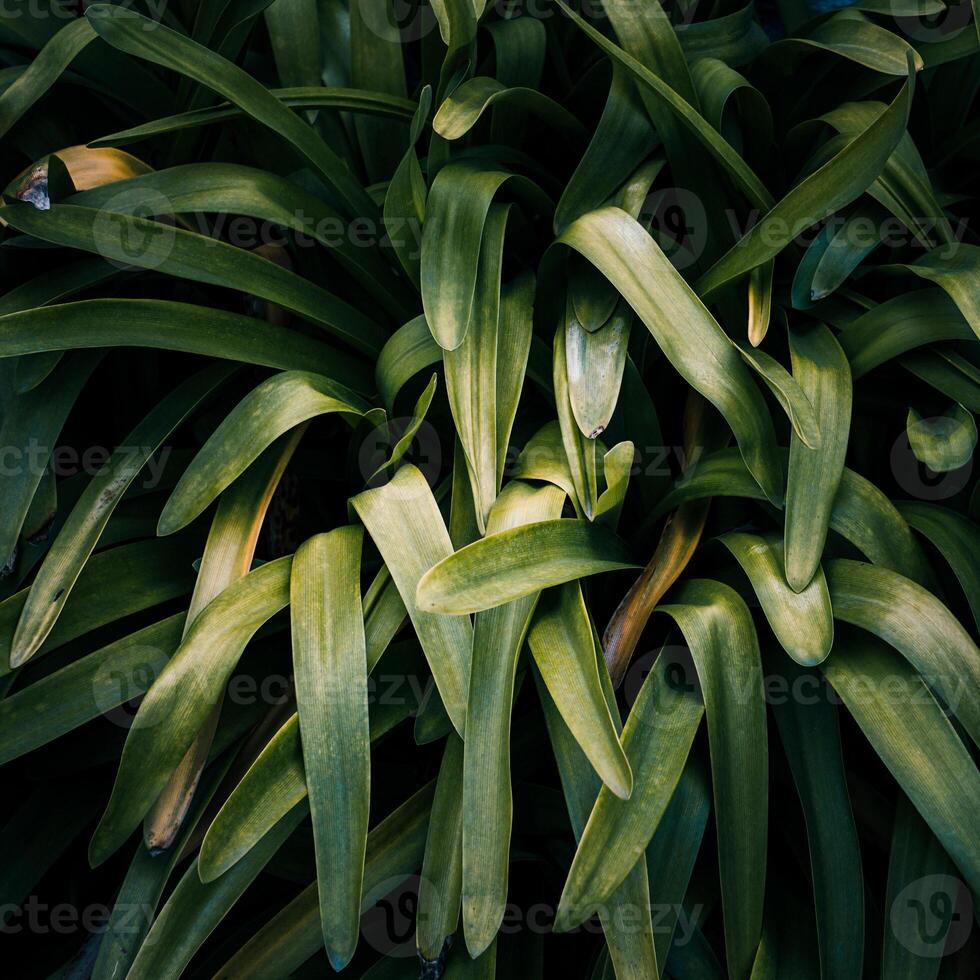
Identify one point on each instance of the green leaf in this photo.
(136, 35)
(822, 370)
(182, 697)
(195, 908)
(683, 328)
(456, 212)
(466, 104)
(901, 324)
(176, 326)
(802, 621)
(836, 184)
(860, 512)
(954, 269)
(279, 404)
(656, 739)
(91, 686)
(621, 139)
(474, 378)
(403, 519)
(409, 350)
(718, 628)
(595, 362)
(330, 667)
(671, 855)
(404, 204)
(518, 562)
(394, 851)
(309, 98)
(918, 625)
(30, 427)
(228, 556)
(498, 635)
(43, 72)
(958, 540)
(854, 37)
(271, 786)
(580, 450)
(920, 878)
(915, 740)
(154, 245)
(234, 189)
(626, 922)
(83, 527)
(810, 734)
(441, 883)
(564, 651)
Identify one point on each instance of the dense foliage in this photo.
(487, 489)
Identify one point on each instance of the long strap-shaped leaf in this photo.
(182, 697)
(838, 182)
(279, 404)
(394, 851)
(403, 519)
(455, 215)
(330, 666)
(272, 785)
(626, 922)
(91, 686)
(686, 332)
(656, 739)
(83, 527)
(956, 271)
(721, 635)
(564, 651)
(327, 97)
(958, 540)
(899, 325)
(861, 512)
(915, 740)
(139, 36)
(921, 879)
(441, 883)
(686, 113)
(227, 558)
(44, 71)
(472, 372)
(150, 244)
(518, 562)
(113, 584)
(918, 625)
(30, 426)
(498, 635)
(195, 909)
(808, 727)
(822, 370)
(802, 621)
(143, 889)
(671, 855)
(466, 104)
(180, 327)
(230, 188)
(580, 450)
